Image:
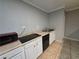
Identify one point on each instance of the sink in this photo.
(28, 37)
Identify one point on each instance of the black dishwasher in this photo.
(45, 41)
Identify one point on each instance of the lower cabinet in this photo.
(38, 46)
(52, 37)
(14, 54)
(29, 51)
(33, 49)
(19, 56)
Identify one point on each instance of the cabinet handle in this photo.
(4, 58)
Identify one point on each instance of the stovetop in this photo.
(28, 37)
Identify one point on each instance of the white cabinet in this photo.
(14, 54)
(20, 55)
(29, 51)
(38, 46)
(51, 37)
(34, 48)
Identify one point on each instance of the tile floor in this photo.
(68, 50)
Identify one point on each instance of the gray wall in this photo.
(57, 21)
(72, 24)
(14, 14)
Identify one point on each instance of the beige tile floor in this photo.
(68, 50)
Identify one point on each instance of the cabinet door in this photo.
(38, 46)
(29, 51)
(34, 48)
(18, 56)
(52, 37)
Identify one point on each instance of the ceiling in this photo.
(52, 5)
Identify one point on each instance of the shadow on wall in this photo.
(75, 34)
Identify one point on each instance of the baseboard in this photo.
(71, 38)
(60, 41)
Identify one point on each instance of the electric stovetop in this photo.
(28, 37)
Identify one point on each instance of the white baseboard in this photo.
(71, 38)
(60, 41)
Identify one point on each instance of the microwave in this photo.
(8, 38)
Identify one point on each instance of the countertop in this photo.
(11, 46)
(42, 33)
(8, 47)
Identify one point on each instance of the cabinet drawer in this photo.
(12, 53)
